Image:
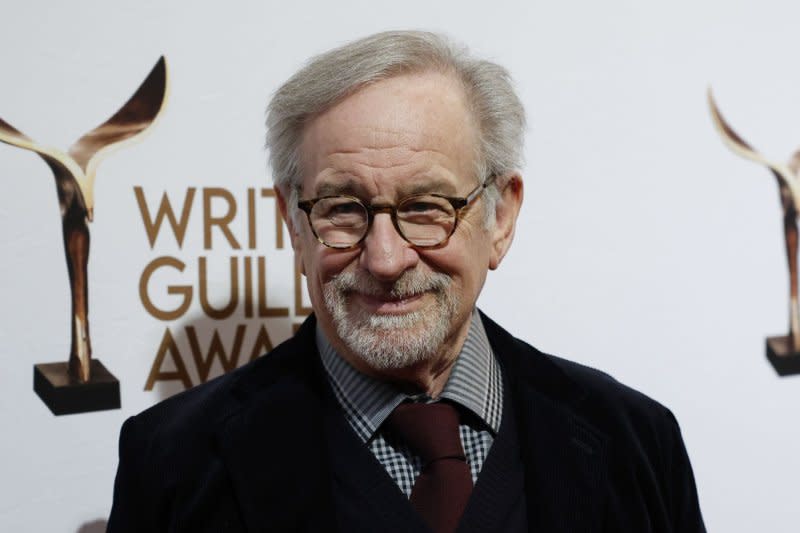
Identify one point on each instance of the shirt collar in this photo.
(475, 383)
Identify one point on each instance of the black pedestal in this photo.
(784, 360)
(65, 395)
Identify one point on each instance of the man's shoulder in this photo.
(179, 430)
(636, 439)
(613, 403)
(599, 384)
(193, 408)
(194, 413)
(589, 393)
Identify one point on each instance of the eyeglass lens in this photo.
(341, 221)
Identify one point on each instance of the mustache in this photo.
(409, 284)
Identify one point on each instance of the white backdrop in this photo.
(644, 247)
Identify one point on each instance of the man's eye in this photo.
(421, 207)
(422, 211)
(344, 214)
(347, 208)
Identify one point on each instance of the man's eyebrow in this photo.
(429, 185)
(349, 187)
(354, 187)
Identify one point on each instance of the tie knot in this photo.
(429, 429)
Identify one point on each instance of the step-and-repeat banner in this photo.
(143, 252)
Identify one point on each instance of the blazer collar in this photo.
(565, 456)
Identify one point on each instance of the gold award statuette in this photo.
(782, 351)
(83, 384)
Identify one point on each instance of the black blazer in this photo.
(246, 452)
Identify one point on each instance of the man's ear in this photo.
(281, 197)
(505, 218)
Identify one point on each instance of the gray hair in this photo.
(328, 78)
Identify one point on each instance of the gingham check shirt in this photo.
(475, 384)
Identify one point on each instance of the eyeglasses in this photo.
(424, 220)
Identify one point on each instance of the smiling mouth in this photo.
(388, 304)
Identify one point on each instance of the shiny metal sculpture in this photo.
(74, 173)
(788, 177)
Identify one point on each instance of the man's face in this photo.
(386, 304)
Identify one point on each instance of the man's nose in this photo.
(385, 254)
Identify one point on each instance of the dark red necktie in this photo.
(444, 484)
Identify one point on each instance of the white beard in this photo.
(393, 341)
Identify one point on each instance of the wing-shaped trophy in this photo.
(782, 351)
(83, 384)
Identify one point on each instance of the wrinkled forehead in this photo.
(414, 127)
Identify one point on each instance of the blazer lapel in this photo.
(272, 444)
(565, 457)
(565, 467)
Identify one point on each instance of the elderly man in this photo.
(398, 406)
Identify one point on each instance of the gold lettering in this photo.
(262, 345)
(270, 193)
(221, 221)
(263, 309)
(184, 290)
(165, 210)
(215, 349)
(248, 287)
(228, 310)
(251, 218)
(180, 373)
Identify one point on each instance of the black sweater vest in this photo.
(366, 499)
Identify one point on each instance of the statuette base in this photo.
(783, 358)
(65, 395)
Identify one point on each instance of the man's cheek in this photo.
(330, 263)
